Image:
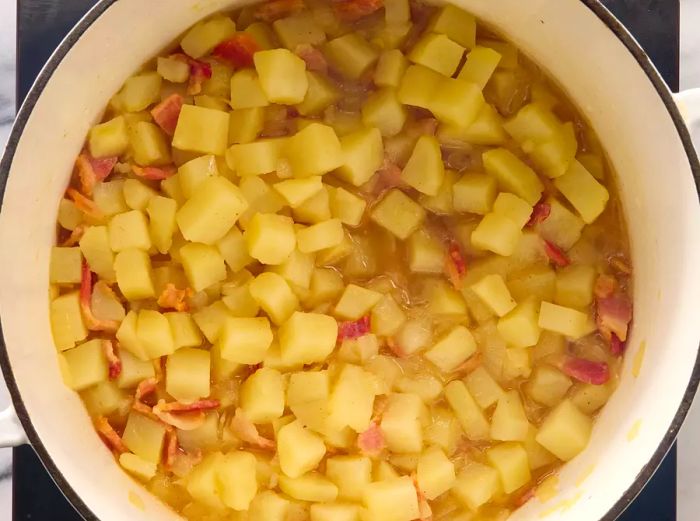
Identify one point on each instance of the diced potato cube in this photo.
(321, 236)
(134, 274)
(173, 70)
(85, 365)
(211, 319)
(320, 95)
(262, 396)
(203, 265)
(149, 144)
(351, 55)
(483, 387)
(390, 68)
(232, 248)
(486, 129)
(415, 335)
(474, 193)
(137, 195)
(314, 150)
(362, 155)
(547, 385)
(352, 400)
(299, 29)
(315, 209)
(236, 473)
(309, 487)
(326, 285)
(594, 163)
(129, 230)
(245, 125)
(476, 484)
(383, 110)
(109, 139)
(154, 334)
(246, 90)
(334, 512)
(240, 302)
(185, 331)
(562, 227)
(351, 474)
(192, 173)
(307, 337)
(402, 423)
(65, 266)
(346, 206)
(492, 290)
(187, 374)
(520, 328)
(356, 302)
(398, 213)
(457, 24)
(133, 370)
(128, 338)
(299, 449)
(161, 213)
(297, 270)
(202, 481)
(537, 455)
(282, 75)
(144, 437)
(510, 460)
(206, 35)
(419, 85)
(481, 64)
(69, 217)
(426, 254)
(200, 129)
(269, 506)
(517, 363)
(470, 417)
(298, 191)
(387, 317)
(497, 233)
(270, 238)
(565, 431)
(256, 158)
(509, 421)
(574, 286)
(140, 91)
(437, 52)
(139, 467)
(581, 189)
(274, 295)
(513, 207)
(245, 340)
(566, 321)
(534, 123)
(452, 350)
(442, 202)
(392, 500)
(588, 398)
(555, 156)
(435, 473)
(425, 170)
(94, 244)
(457, 102)
(513, 175)
(393, 35)
(508, 52)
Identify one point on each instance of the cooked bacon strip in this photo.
(167, 112)
(587, 371)
(354, 329)
(199, 72)
(455, 265)
(247, 432)
(605, 286)
(145, 388)
(154, 173)
(93, 323)
(425, 513)
(115, 363)
(371, 442)
(91, 171)
(315, 60)
(353, 10)
(556, 255)
(110, 436)
(237, 50)
(174, 298)
(617, 346)
(539, 214)
(395, 348)
(613, 315)
(75, 236)
(181, 408)
(171, 448)
(183, 420)
(276, 9)
(85, 205)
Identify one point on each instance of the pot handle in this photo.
(688, 102)
(11, 431)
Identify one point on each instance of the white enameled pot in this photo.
(577, 41)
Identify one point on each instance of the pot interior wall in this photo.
(563, 36)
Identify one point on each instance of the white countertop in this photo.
(689, 456)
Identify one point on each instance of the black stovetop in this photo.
(41, 26)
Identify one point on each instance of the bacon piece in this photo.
(75, 236)
(171, 448)
(613, 315)
(276, 9)
(154, 173)
(617, 346)
(110, 436)
(556, 255)
(587, 371)
(115, 363)
(353, 329)
(85, 205)
(145, 388)
(371, 442)
(174, 298)
(183, 420)
(353, 10)
(455, 265)
(91, 171)
(539, 214)
(425, 513)
(92, 322)
(179, 407)
(167, 112)
(237, 50)
(247, 432)
(315, 60)
(184, 462)
(605, 286)
(199, 72)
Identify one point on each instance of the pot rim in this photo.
(45, 75)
